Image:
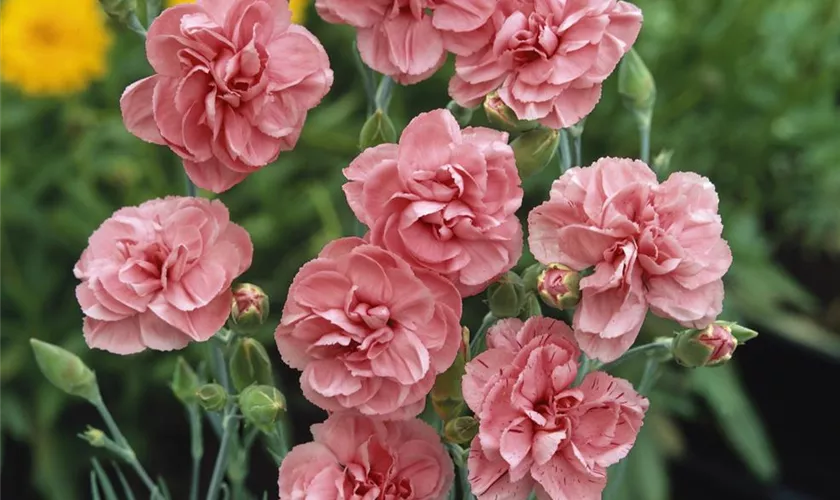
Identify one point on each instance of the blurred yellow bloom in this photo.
(298, 8)
(52, 47)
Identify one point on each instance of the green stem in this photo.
(196, 448)
(644, 132)
(367, 79)
(128, 453)
(383, 93)
(663, 344)
(565, 151)
(133, 23)
(578, 150)
(649, 376)
(190, 187)
(477, 343)
(585, 365)
(220, 366)
(222, 457)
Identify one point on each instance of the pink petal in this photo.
(136, 107)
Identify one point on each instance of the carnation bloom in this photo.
(356, 457)
(548, 58)
(536, 431)
(158, 276)
(652, 245)
(235, 80)
(443, 199)
(53, 47)
(369, 332)
(408, 40)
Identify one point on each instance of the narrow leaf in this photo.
(94, 487)
(129, 495)
(107, 487)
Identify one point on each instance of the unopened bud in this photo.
(118, 9)
(184, 382)
(461, 114)
(506, 296)
(534, 149)
(531, 308)
(378, 129)
(212, 397)
(65, 370)
(262, 406)
(503, 118)
(662, 162)
(460, 430)
(94, 437)
(250, 364)
(710, 346)
(636, 86)
(530, 275)
(559, 286)
(447, 399)
(249, 307)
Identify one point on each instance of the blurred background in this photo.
(748, 95)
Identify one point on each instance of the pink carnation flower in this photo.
(652, 245)
(443, 199)
(356, 457)
(234, 82)
(158, 276)
(408, 39)
(548, 58)
(369, 332)
(536, 431)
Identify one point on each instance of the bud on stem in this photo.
(711, 346)
(66, 371)
(534, 149)
(250, 364)
(503, 118)
(506, 296)
(378, 129)
(460, 430)
(212, 397)
(262, 406)
(447, 400)
(184, 382)
(637, 87)
(249, 308)
(559, 286)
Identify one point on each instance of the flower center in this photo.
(45, 33)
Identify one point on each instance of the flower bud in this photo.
(447, 399)
(531, 307)
(249, 307)
(506, 296)
(530, 275)
(378, 129)
(662, 162)
(534, 149)
(460, 430)
(249, 364)
(212, 397)
(502, 117)
(65, 370)
(710, 346)
(94, 437)
(559, 286)
(184, 382)
(119, 9)
(462, 115)
(262, 406)
(636, 86)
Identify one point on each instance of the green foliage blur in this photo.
(747, 94)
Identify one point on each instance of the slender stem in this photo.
(663, 344)
(222, 457)
(578, 150)
(565, 151)
(383, 93)
(128, 455)
(585, 365)
(220, 366)
(196, 448)
(644, 132)
(367, 79)
(649, 376)
(190, 187)
(134, 24)
(477, 342)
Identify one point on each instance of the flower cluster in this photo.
(652, 246)
(536, 429)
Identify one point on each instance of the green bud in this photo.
(94, 437)
(530, 275)
(184, 382)
(506, 296)
(447, 399)
(249, 364)
(212, 397)
(119, 9)
(531, 307)
(576, 130)
(249, 308)
(636, 86)
(262, 406)
(559, 286)
(462, 115)
(460, 430)
(741, 333)
(65, 370)
(662, 161)
(711, 346)
(502, 117)
(378, 129)
(534, 149)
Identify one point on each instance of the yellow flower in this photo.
(298, 8)
(52, 47)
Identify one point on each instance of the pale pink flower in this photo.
(652, 245)
(443, 199)
(158, 276)
(548, 58)
(353, 457)
(369, 332)
(408, 39)
(234, 81)
(536, 431)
